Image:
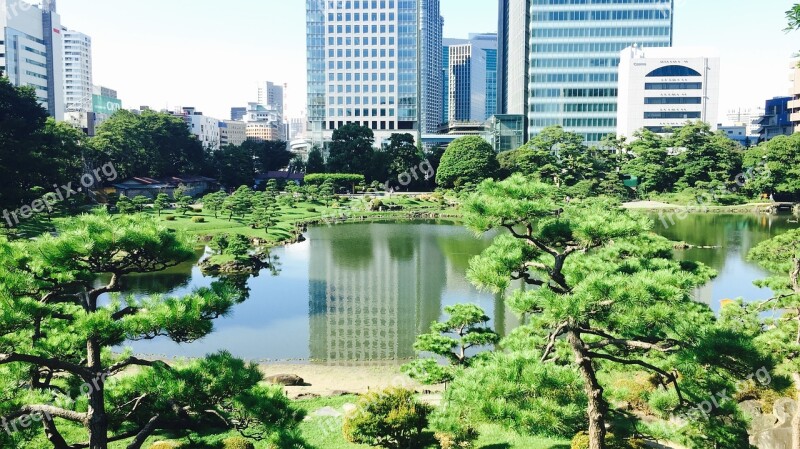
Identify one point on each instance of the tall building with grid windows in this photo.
(376, 63)
(472, 78)
(569, 77)
(31, 51)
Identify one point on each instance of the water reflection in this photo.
(358, 294)
(732, 237)
(372, 289)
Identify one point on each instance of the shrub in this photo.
(198, 210)
(581, 441)
(198, 219)
(169, 218)
(521, 393)
(312, 209)
(166, 445)
(452, 429)
(237, 443)
(468, 160)
(375, 204)
(339, 180)
(392, 419)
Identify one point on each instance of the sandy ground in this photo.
(335, 380)
(648, 205)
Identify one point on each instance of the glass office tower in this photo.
(574, 56)
(376, 63)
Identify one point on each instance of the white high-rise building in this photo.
(376, 63)
(31, 52)
(77, 71)
(664, 88)
(78, 83)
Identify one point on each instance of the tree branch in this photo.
(48, 411)
(559, 331)
(55, 364)
(671, 378)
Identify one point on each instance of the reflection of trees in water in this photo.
(730, 233)
(350, 249)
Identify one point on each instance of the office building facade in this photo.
(472, 79)
(661, 89)
(794, 103)
(203, 127)
(776, 120)
(513, 53)
(376, 63)
(573, 55)
(78, 83)
(270, 95)
(232, 132)
(32, 51)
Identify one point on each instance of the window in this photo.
(673, 86)
(673, 100)
(667, 115)
(673, 70)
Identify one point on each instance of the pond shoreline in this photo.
(657, 206)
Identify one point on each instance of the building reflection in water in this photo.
(372, 289)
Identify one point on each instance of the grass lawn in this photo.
(326, 432)
(289, 217)
(323, 433)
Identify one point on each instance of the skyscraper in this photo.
(513, 56)
(270, 95)
(32, 51)
(574, 55)
(472, 78)
(376, 63)
(78, 83)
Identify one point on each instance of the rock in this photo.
(335, 393)
(288, 380)
(327, 411)
(307, 396)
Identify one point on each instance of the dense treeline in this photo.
(692, 161)
(39, 155)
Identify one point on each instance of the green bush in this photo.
(198, 210)
(339, 180)
(468, 160)
(198, 219)
(375, 204)
(581, 441)
(452, 429)
(312, 210)
(392, 419)
(166, 445)
(237, 443)
(169, 217)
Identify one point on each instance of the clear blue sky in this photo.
(210, 54)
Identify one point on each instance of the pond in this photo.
(359, 294)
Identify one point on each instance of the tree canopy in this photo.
(58, 325)
(468, 160)
(609, 294)
(351, 149)
(150, 144)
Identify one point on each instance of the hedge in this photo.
(339, 180)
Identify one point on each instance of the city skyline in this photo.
(174, 71)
